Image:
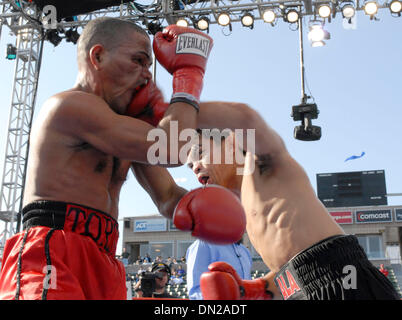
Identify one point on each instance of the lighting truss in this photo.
(165, 12)
(28, 47)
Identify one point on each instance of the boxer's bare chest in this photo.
(112, 170)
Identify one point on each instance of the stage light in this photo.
(317, 34)
(269, 16)
(292, 16)
(181, 22)
(370, 8)
(53, 37)
(202, 23)
(324, 11)
(247, 20)
(72, 36)
(223, 19)
(396, 7)
(348, 11)
(11, 53)
(154, 27)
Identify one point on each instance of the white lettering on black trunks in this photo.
(193, 44)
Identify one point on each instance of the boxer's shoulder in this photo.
(73, 100)
(71, 110)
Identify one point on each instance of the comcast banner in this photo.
(373, 216)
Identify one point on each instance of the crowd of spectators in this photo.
(178, 273)
(126, 259)
(169, 261)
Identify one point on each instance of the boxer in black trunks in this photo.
(298, 240)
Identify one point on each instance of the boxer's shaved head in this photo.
(109, 32)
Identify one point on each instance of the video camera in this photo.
(306, 112)
(148, 283)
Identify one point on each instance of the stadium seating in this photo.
(394, 280)
(178, 290)
(258, 274)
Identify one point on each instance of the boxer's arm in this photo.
(269, 277)
(161, 187)
(192, 211)
(232, 115)
(88, 118)
(185, 117)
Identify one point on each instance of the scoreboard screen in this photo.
(352, 189)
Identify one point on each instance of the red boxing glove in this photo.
(212, 213)
(184, 52)
(148, 104)
(223, 283)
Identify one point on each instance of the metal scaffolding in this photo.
(24, 20)
(27, 65)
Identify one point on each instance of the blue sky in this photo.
(355, 80)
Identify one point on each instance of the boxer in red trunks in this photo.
(64, 252)
(81, 148)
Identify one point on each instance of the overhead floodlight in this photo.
(396, 7)
(317, 44)
(223, 19)
(317, 35)
(72, 36)
(154, 27)
(348, 11)
(324, 11)
(247, 20)
(292, 16)
(53, 37)
(269, 16)
(202, 23)
(11, 53)
(370, 8)
(181, 22)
